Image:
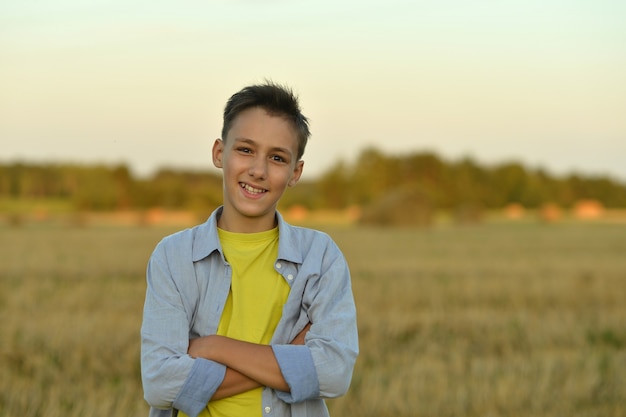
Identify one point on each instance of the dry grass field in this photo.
(498, 319)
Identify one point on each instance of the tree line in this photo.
(374, 179)
(106, 188)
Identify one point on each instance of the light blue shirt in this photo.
(188, 282)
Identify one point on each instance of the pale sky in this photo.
(144, 82)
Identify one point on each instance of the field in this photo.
(497, 319)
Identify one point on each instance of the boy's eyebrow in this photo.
(252, 142)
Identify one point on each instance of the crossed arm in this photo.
(248, 365)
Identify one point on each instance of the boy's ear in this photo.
(297, 173)
(218, 152)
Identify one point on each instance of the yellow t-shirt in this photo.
(253, 307)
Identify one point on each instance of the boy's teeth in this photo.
(251, 189)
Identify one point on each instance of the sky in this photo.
(144, 83)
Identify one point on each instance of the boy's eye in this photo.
(244, 149)
(278, 158)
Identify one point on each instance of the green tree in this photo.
(334, 187)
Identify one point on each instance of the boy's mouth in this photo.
(251, 189)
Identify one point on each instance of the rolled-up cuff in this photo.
(298, 369)
(204, 379)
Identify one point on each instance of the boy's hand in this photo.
(299, 339)
(200, 347)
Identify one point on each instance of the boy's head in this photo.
(276, 100)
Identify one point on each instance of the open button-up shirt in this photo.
(188, 282)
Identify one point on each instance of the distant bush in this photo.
(402, 207)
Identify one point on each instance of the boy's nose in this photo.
(258, 168)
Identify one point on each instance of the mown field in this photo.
(498, 319)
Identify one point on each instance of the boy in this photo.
(246, 315)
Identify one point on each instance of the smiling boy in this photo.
(246, 315)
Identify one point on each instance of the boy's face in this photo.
(259, 160)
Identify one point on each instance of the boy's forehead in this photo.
(257, 119)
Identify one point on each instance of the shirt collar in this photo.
(288, 241)
(206, 240)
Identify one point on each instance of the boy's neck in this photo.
(246, 225)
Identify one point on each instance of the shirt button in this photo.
(289, 277)
(267, 410)
(278, 265)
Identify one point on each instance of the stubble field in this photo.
(498, 319)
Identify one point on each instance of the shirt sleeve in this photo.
(323, 367)
(171, 378)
